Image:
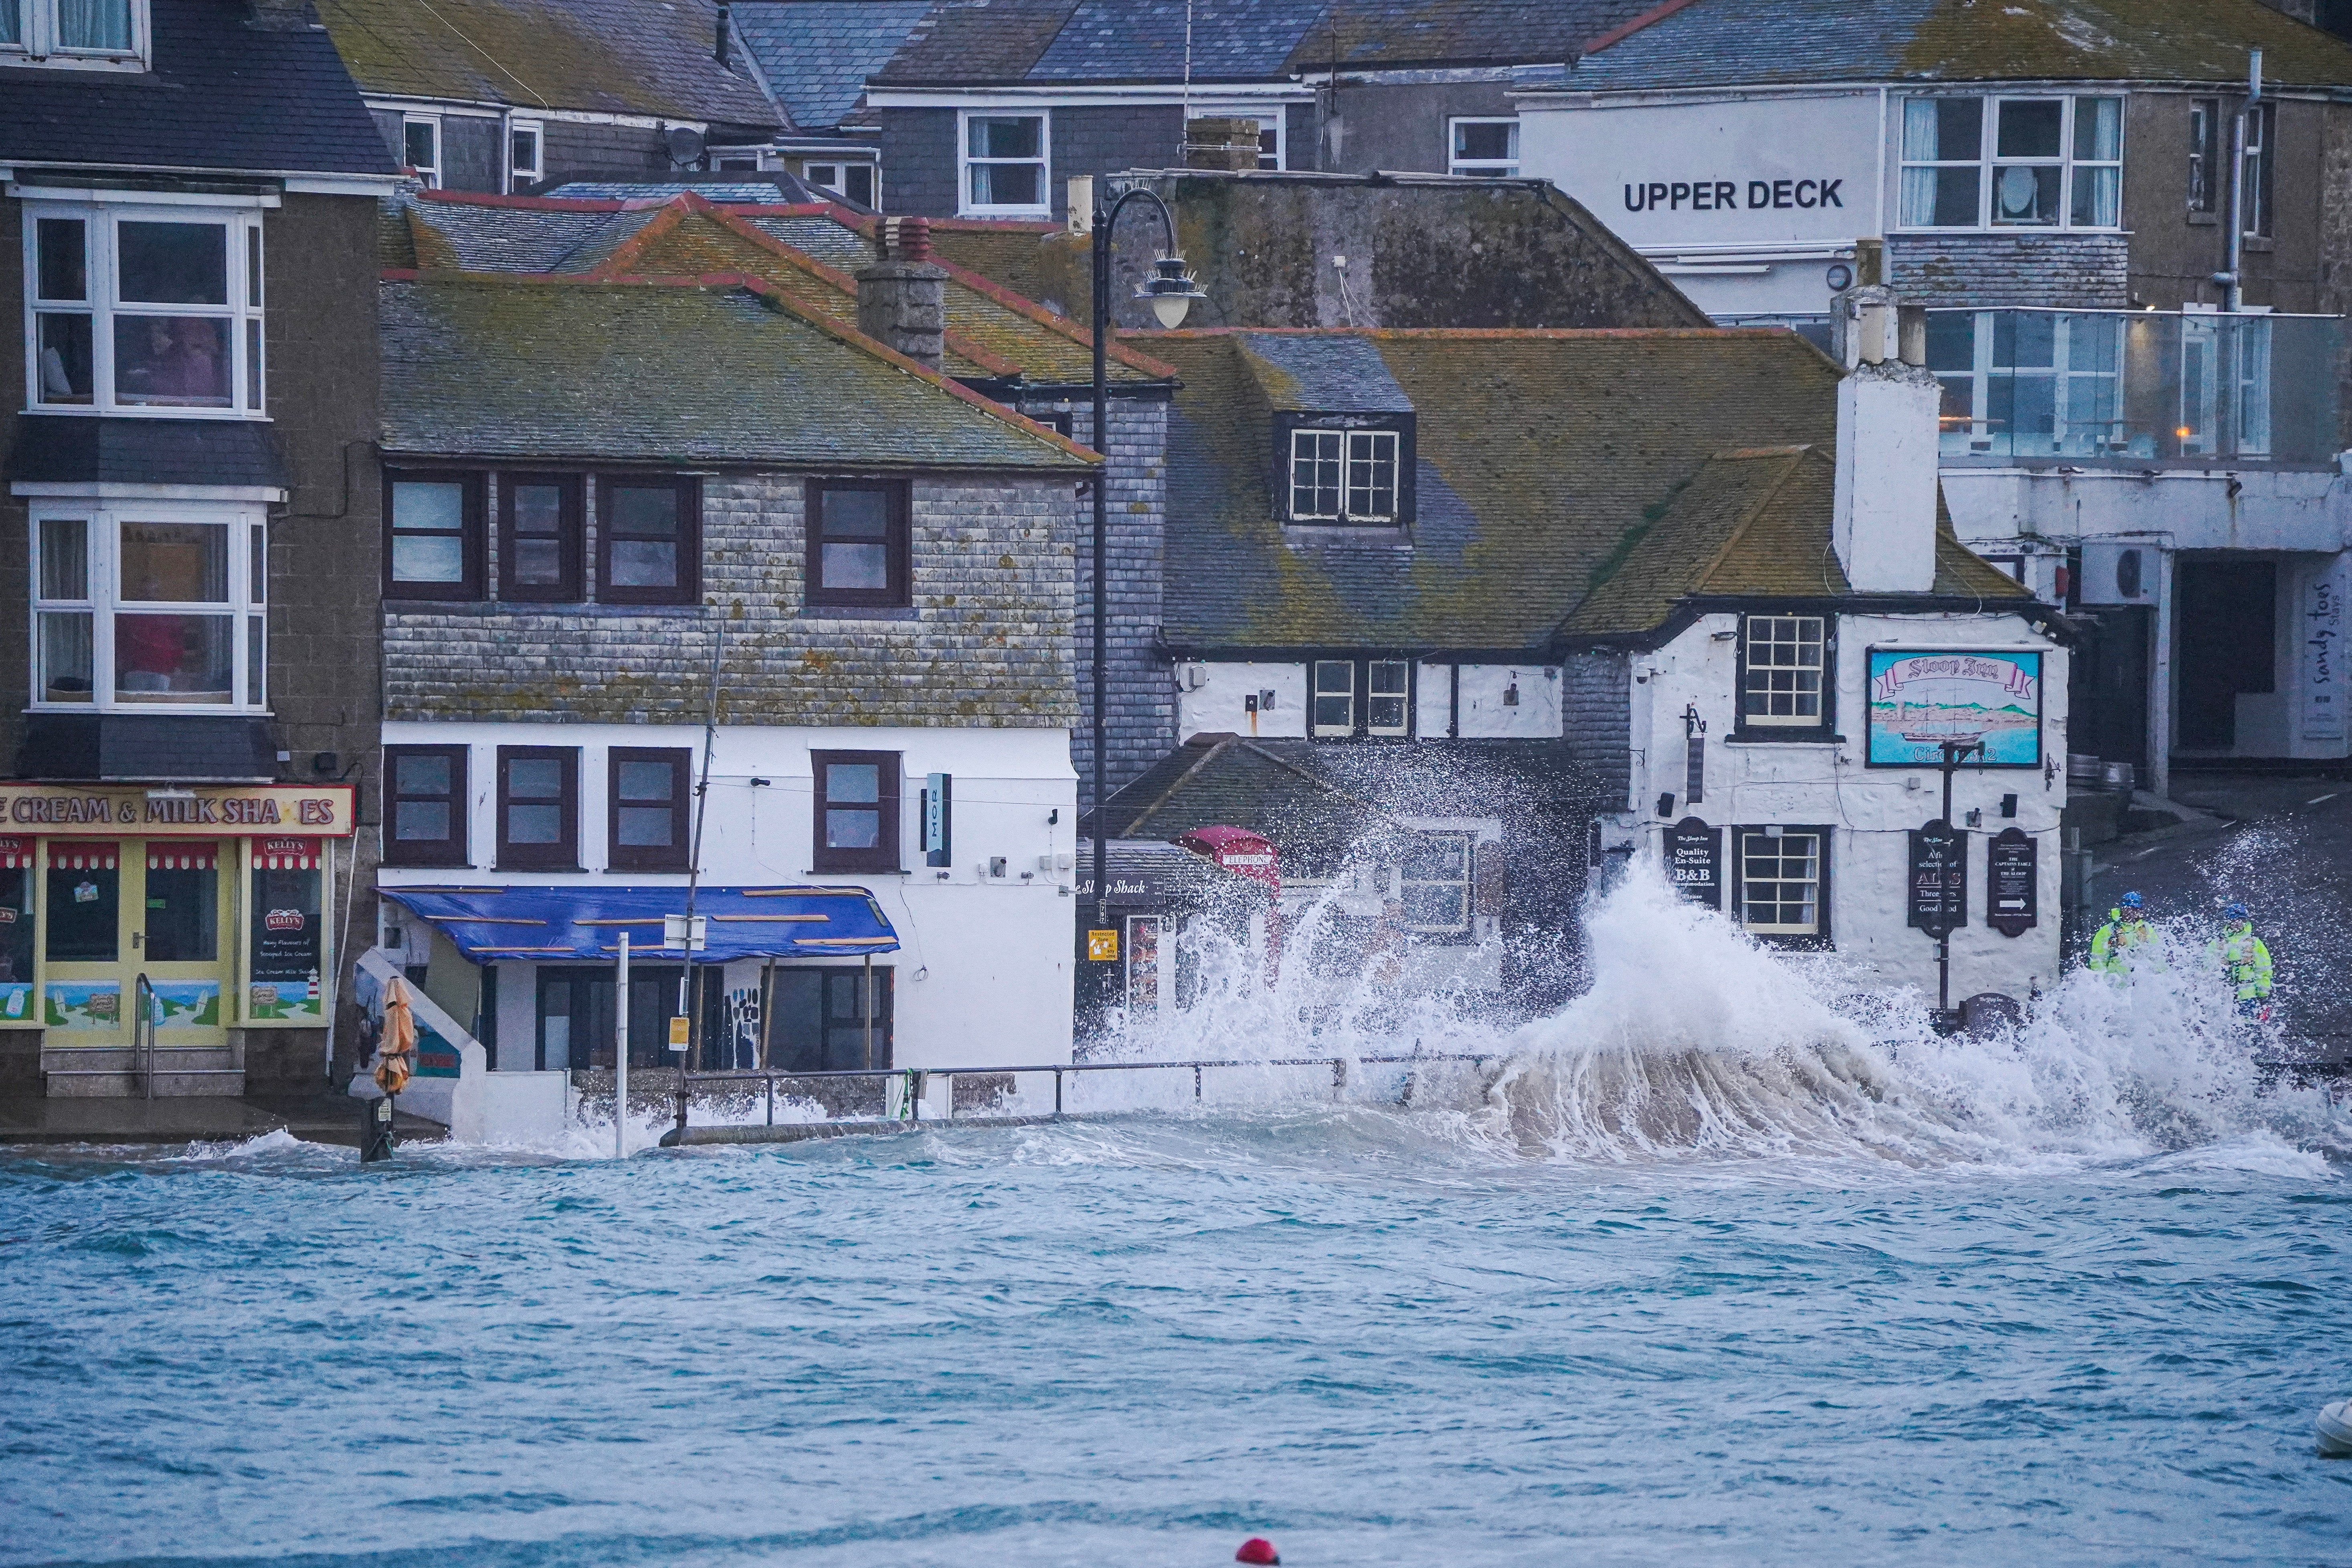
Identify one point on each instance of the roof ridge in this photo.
(1315, 779)
(1793, 457)
(1223, 739)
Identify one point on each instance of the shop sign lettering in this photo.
(1726, 195)
(315, 809)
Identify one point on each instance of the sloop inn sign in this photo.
(1780, 170)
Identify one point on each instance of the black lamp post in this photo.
(1172, 291)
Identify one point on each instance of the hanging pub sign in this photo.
(1939, 880)
(2011, 885)
(1694, 861)
(1921, 700)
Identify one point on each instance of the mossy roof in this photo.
(621, 56)
(714, 372)
(1717, 43)
(992, 333)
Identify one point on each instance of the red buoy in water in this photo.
(1258, 1549)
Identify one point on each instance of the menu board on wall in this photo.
(286, 939)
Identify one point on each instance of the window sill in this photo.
(397, 603)
(2205, 220)
(427, 865)
(2258, 244)
(873, 871)
(210, 415)
(1019, 215)
(1801, 943)
(540, 870)
(859, 613)
(1792, 737)
(1359, 535)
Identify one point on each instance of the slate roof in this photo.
(620, 57)
(816, 54)
(992, 334)
(1143, 41)
(1714, 43)
(224, 94)
(1316, 802)
(1369, 34)
(977, 41)
(712, 371)
(1568, 483)
(774, 191)
(1319, 373)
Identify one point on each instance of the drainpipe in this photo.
(2232, 277)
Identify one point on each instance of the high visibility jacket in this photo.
(2115, 946)
(2245, 962)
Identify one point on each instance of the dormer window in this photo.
(1345, 476)
(101, 34)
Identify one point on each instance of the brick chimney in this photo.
(1884, 517)
(1216, 142)
(902, 298)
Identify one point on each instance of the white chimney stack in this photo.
(1884, 523)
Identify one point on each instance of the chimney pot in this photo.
(902, 298)
(1221, 141)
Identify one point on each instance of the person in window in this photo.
(173, 359)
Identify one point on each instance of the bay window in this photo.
(2049, 161)
(160, 606)
(144, 311)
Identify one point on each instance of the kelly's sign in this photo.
(199, 812)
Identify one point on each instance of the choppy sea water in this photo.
(1708, 1273)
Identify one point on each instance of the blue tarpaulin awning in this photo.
(583, 925)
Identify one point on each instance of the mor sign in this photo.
(232, 811)
(2012, 890)
(1694, 861)
(1937, 880)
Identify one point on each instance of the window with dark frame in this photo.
(856, 811)
(539, 808)
(858, 543)
(540, 531)
(1343, 475)
(1784, 663)
(650, 790)
(648, 530)
(1385, 711)
(1783, 881)
(433, 524)
(424, 806)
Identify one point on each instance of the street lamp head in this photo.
(1170, 290)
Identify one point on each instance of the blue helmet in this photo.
(2130, 900)
(2234, 913)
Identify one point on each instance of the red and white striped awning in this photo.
(177, 855)
(289, 853)
(15, 852)
(82, 853)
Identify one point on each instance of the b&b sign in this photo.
(1694, 861)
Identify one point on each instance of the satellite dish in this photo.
(684, 144)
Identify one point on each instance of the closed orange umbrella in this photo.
(395, 1053)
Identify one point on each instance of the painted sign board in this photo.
(1694, 861)
(237, 811)
(1790, 169)
(1919, 700)
(2013, 890)
(2320, 629)
(938, 819)
(1937, 880)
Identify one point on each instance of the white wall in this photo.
(1487, 710)
(984, 966)
(1211, 700)
(2174, 509)
(1869, 809)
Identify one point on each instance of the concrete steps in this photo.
(119, 1072)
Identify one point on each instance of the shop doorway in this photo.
(820, 1019)
(2106, 688)
(2225, 645)
(576, 1016)
(117, 911)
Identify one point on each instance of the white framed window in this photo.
(1783, 662)
(148, 605)
(526, 153)
(1270, 149)
(1334, 698)
(1002, 167)
(2044, 161)
(1483, 149)
(134, 310)
(853, 181)
(101, 34)
(1343, 475)
(1433, 884)
(420, 147)
(2262, 126)
(1781, 881)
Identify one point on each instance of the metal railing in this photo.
(142, 1031)
(914, 1081)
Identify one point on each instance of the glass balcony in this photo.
(2138, 386)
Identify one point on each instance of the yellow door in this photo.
(119, 910)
